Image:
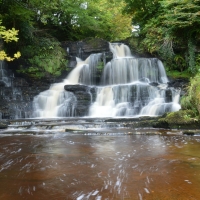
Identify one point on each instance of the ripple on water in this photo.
(99, 167)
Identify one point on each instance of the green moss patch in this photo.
(179, 117)
(177, 74)
(185, 119)
(192, 99)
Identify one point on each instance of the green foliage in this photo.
(113, 24)
(179, 62)
(69, 19)
(177, 74)
(191, 56)
(197, 63)
(142, 10)
(63, 20)
(44, 57)
(168, 29)
(192, 99)
(100, 66)
(180, 117)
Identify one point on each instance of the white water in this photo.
(48, 103)
(126, 88)
(5, 77)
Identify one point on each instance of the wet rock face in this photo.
(16, 100)
(178, 83)
(82, 49)
(3, 124)
(181, 83)
(84, 95)
(76, 88)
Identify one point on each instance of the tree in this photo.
(142, 10)
(43, 23)
(183, 24)
(169, 29)
(112, 22)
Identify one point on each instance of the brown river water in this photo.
(116, 166)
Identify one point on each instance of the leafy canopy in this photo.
(169, 29)
(59, 20)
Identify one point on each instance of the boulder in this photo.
(178, 83)
(3, 124)
(76, 88)
(84, 96)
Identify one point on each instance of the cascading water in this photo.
(133, 87)
(130, 87)
(56, 102)
(5, 77)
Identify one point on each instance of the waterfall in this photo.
(129, 87)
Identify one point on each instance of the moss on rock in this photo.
(192, 99)
(181, 119)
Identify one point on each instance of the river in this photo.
(80, 166)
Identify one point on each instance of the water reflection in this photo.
(64, 166)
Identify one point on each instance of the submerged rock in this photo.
(3, 124)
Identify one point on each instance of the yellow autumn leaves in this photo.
(8, 36)
(4, 56)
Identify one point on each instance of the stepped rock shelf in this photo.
(98, 126)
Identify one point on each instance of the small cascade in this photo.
(120, 50)
(87, 74)
(159, 104)
(129, 87)
(5, 75)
